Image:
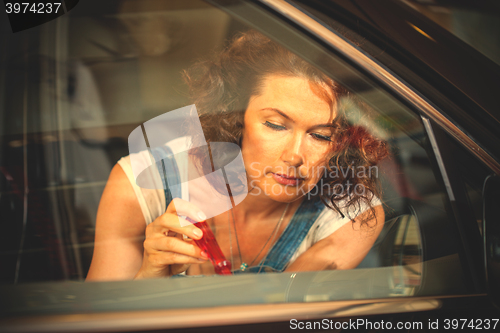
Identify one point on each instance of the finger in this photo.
(186, 208)
(171, 258)
(175, 245)
(168, 224)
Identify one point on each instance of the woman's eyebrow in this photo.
(280, 112)
(326, 125)
(287, 117)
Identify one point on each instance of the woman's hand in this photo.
(166, 253)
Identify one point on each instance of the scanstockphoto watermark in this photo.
(352, 171)
(321, 173)
(354, 324)
(327, 189)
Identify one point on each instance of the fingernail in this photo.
(204, 254)
(202, 216)
(198, 232)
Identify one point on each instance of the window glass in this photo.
(77, 87)
(473, 175)
(477, 24)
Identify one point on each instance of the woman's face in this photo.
(286, 139)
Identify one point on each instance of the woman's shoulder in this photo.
(142, 173)
(137, 165)
(330, 220)
(118, 199)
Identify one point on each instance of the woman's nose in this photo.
(293, 152)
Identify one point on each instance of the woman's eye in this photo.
(322, 137)
(274, 126)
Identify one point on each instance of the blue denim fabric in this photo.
(280, 254)
(165, 162)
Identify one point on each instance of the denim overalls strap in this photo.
(280, 254)
(283, 250)
(167, 167)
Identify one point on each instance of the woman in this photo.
(286, 117)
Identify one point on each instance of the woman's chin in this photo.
(282, 193)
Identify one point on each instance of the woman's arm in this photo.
(120, 230)
(126, 249)
(343, 249)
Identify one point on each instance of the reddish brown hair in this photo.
(221, 89)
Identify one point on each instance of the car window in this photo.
(473, 174)
(75, 88)
(475, 24)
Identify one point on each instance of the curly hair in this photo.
(221, 89)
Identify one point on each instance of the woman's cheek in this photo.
(319, 155)
(316, 170)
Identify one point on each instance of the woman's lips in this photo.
(285, 180)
